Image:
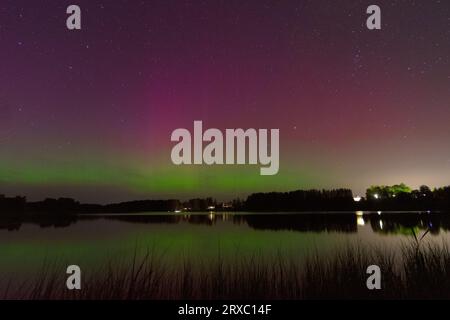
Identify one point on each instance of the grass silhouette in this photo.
(418, 271)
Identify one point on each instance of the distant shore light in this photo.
(376, 196)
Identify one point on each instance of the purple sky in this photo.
(89, 113)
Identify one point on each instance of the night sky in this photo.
(88, 114)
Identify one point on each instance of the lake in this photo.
(93, 241)
(88, 239)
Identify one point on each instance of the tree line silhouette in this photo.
(301, 200)
(387, 198)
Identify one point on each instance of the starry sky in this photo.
(89, 113)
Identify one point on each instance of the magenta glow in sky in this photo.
(89, 113)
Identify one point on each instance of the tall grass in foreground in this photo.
(419, 271)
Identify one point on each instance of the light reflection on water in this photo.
(91, 241)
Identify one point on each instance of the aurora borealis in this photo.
(88, 114)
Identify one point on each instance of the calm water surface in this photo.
(92, 241)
